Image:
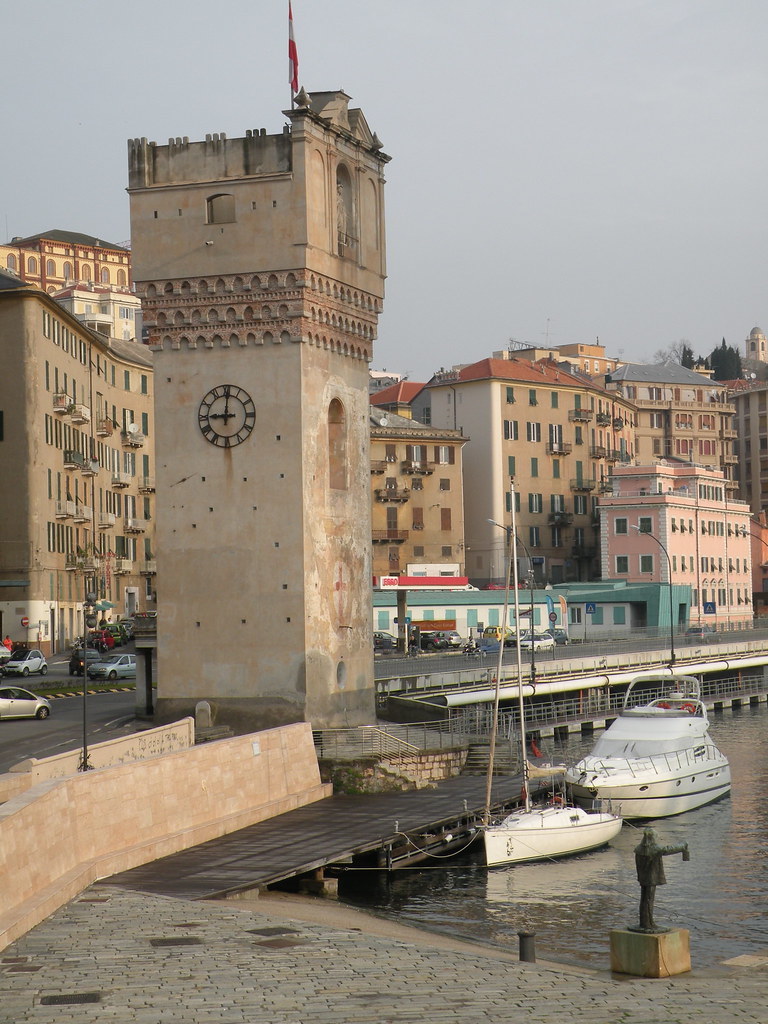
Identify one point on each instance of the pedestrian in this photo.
(8, 642)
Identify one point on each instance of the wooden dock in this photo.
(389, 831)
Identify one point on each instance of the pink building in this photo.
(699, 536)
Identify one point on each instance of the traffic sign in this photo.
(591, 607)
(710, 608)
(553, 616)
(24, 622)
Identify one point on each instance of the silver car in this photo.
(117, 666)
(24, 663)
(18, 703)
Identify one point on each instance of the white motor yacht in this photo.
(656, 759)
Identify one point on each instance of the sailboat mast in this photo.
(513, 560)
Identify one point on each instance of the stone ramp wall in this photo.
(63, 834)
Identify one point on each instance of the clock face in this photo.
(226, 415)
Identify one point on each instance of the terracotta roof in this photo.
(545, 371)
(403, 392)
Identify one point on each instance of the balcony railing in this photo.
(559, 448)
(413, 466)
(61, 402)
(597, 451)
(146, 485)
(131, 439)
(104, 427)
(583, 484)
(560, 518)
(603, 419)
(73, 459)
(386, 536)
(580, 415)
(612, 455)
(65, 509)
(121, 479)
(107, 520)
(79, 413)
(606, 487)
(148, 567)
(392, 493)
(123, 566)
(379, 466)
(83, 514)
(133, 525)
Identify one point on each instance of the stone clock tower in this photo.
(261, 264)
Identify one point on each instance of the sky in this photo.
(562, 170)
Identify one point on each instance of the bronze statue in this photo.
(650, 873)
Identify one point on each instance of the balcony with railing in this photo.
(73, 459)
(729, 435)
(132, 438)
(580, 415)
(133, 525)
(612, 455)
(104, 427)
(559, 448)
(123, 566)
(389, 536)
(148, 567)
(61, 402)
(65, 509)
(121, 479)
(78, 561)
(597, 451)
(378, 466)
(396, 494)
(90, 468)
(417, 466)
(730, 459)
(560, 518)
(587, 483)
(107, 520)
(603, 419)
(83, 514)
(146, 485)
(606, 487)
(79, 413)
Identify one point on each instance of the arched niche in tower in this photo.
(337, 445)
(345, 212)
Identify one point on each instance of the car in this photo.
(118, 633)
(127, 625)
(81, 659)
(116, 666)
(561, 637)
(101, 640)
(384, 641)
(4, 653)
(23, 662)
(433, 640)
(536, 642)
(453, 638)
(702, 630)
(494, 633)
(18, 703)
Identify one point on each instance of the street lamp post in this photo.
(89, 620)
(647, 533)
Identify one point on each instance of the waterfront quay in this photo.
(117, 955)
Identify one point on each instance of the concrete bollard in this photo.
(527, 947)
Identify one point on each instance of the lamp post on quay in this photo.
(90, 621)
(647, 533)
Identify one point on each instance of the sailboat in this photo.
(535, 832)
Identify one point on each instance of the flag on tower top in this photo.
(293, 56)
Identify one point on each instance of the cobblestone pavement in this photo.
(118, 956)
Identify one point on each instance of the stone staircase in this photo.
(505, 760)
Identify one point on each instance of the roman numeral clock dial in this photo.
(226, 416)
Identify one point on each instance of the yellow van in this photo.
(494, 633)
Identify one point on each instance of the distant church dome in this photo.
(755, 333)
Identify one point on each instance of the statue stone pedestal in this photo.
(650, 954)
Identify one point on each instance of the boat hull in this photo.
(550, 832)
(640, 795)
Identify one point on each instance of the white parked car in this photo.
(18, 703)
(117, 666)
(25, 663)
(538, 642)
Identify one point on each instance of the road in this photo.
(109, 715)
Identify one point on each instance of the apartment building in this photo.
(56, 259)
(558, 434)
(417, 498)
(76, 503)
(681, 414)
(679, 524)
(750, 401)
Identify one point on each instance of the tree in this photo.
(687, 357)
(725, 362)
(678, 352)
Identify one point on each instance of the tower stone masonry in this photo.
(260, 262)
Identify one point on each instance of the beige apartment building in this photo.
(417, 497)
(681, 415)
(76, 503)
(587, 359)
(750, 401)
(558, 435)
(699, 536)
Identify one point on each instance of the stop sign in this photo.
(25, 622)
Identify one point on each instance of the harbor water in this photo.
(720, 895)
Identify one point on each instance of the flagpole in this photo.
(293, 58)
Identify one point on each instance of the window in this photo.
(654, 394)
(534, 539)
(619, 615)
(556, 469)
(645, 524)
(418, 518)
(510, 396)
(557, 502)
(557, 536)
(445, 519)
(578, 435)
(220, 208)
(657, 420)
(532, 399)
(535, 503)
(620, 526)
(337, 446)
(622, 564)
(444, 455)
(580, 505)
(646, 563)
(11, 262)
(554, 397)
(445, 484)
(534, 467)
(510, 430)
(511, 465)
(50, 268)
(533, 431)
(32, 265)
